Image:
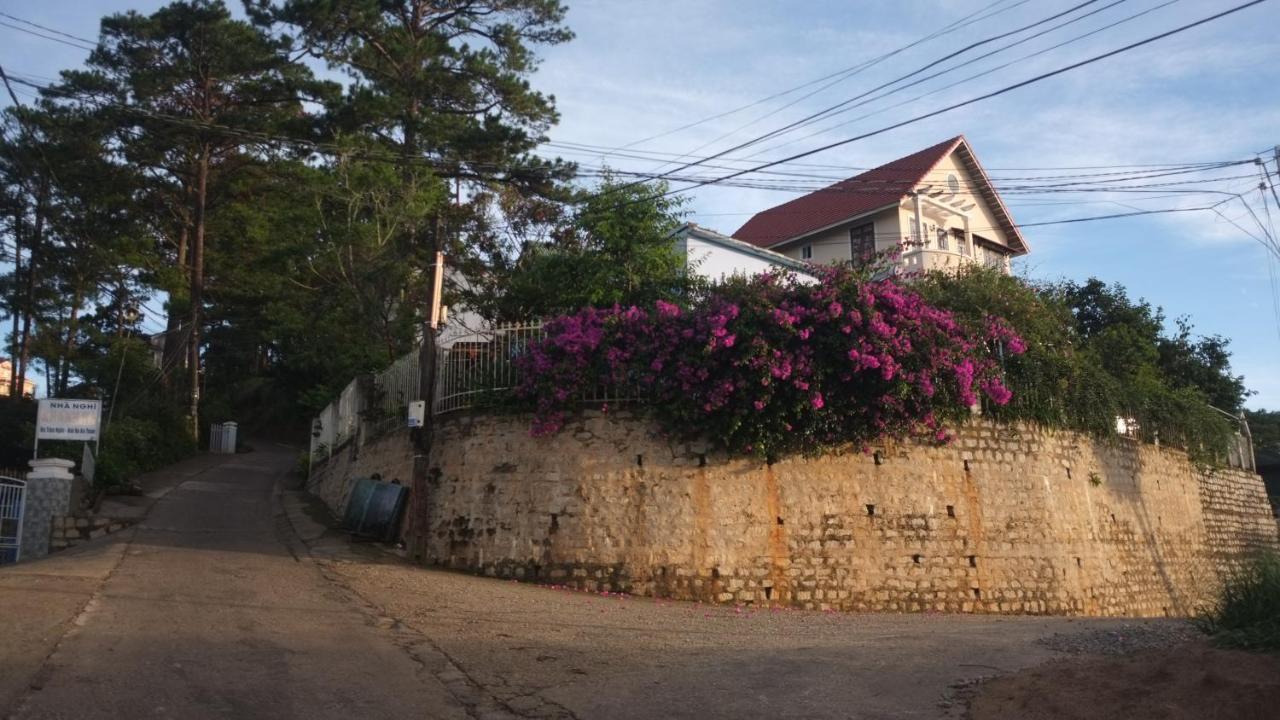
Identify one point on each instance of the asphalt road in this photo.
(205, 611)
(230, 601)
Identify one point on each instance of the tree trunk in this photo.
(174, 345)
(69, 345)
(29, 306)
(15, 388)
(197, 289)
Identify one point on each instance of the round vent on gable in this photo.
(953, 183)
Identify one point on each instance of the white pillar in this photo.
(915, 198)
(229, 438)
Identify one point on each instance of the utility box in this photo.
(417, 413)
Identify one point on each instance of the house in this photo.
(717, 257)
(937, 204)
(6, 375)
(1267, 463)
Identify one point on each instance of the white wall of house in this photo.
(832, 245)
(720, 263)
(718, 257)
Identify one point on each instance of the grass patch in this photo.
(1247, 615)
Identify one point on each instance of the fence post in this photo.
(1248, 442)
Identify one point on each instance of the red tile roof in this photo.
(871, 190)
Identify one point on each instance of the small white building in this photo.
(718, 257)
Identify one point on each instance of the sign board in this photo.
(417, 413)
(68, 419)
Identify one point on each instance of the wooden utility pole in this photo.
(424, 436)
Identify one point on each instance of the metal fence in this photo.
(337, 423)
(13, 493)
(476, 367)
(481, 365)
(397, 386)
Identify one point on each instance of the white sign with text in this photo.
(68, 419)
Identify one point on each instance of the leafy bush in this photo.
(772, 365)
(132, 446)
(1092, 356)
(1247, 615)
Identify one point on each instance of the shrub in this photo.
(132, 446)
(1247, 615)
(772, 365)
(1086, 364)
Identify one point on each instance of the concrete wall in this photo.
(1005, 519)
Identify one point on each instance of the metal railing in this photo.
(481, 364)
(13, 493)
(398, 385)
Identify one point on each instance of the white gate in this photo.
(222, 438)
(13, 495)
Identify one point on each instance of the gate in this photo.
(13, 495)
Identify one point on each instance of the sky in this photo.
(642, 69)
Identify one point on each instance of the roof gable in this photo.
(874, 189)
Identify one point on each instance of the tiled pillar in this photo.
(48, 495)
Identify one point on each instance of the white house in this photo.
(937, 204)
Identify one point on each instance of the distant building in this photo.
(6, 374)
(717, 257)
(937, 205)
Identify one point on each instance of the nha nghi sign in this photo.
(59, 419)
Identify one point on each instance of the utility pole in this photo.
(1271, 182)
(422, 437)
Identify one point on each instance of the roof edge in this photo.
(690, 229)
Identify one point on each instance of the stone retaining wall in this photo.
(69, 530)
(1005, 519)
(388, 455)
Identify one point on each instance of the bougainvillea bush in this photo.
(773, 365)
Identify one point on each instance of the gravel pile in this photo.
(1124, 639)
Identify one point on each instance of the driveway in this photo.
(229, 600)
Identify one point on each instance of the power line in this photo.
(78, 46)
(786, 128)
(842, 75)
(659, 155)
(1110, 178)
(964, 80)
(971, 101)
(848, 73)
(49, 29)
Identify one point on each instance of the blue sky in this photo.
(639, 69)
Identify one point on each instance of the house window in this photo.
(988, 252)
(942, 237)
(961, 243)
(862, 241)
(806, 252)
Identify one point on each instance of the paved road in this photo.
(204, 611)
(229, 603)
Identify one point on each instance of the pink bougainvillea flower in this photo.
(844, 360)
